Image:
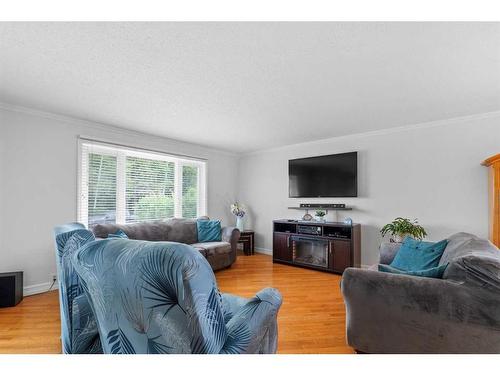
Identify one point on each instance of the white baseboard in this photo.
(262, 250)
(38, 288)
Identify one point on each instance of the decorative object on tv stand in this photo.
(348, 221)
(238, 210)
(402, 227)
(307, 217)
(320, 215)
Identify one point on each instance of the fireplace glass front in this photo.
(310, 251)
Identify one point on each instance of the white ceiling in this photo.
(249, 86)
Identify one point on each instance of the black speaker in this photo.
(322, 205)
(11, 288)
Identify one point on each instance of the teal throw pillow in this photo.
(434, 272)
(209, 230)
(416, 255)
(118, 234)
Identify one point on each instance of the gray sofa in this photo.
(219, 254)
(392, 313)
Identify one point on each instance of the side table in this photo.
(247, 239)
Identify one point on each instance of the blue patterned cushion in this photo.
(118, 234)
(209, 230)
(434, 272)
(416, 255)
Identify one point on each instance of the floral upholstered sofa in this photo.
(123, 296)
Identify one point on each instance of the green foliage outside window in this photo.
(149, 190)
(102, 184)
(151, 207)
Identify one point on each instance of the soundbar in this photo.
(322, 205)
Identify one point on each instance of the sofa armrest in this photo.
(253, 328)
(388, 251)
(231, 304)
(231, 235)
(393, 313)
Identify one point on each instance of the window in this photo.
(124, 185)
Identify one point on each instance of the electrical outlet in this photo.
(53, 276)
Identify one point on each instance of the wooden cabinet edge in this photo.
(493, 164)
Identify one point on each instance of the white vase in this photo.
(240, 223)
(398, 238)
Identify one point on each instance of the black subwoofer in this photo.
(11, 288)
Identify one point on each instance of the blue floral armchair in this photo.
(79, 333)
(162, 297)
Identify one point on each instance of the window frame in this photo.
(121, 152)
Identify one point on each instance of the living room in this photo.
(249, 187)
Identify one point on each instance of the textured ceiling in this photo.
(249, 86)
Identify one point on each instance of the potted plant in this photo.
(319, 216)
(402, 227)
(238, 210)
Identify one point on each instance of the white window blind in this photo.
(125, 185)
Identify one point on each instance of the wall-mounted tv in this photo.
(324, 176)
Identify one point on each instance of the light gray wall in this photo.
(38, 175)
(430, 172)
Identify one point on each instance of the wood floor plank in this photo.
(311, 319)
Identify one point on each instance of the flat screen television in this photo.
(324, 176)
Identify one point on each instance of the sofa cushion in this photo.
(476, 271)
(418, 255)
(434, 272)
(150, 231)
(174, 230)
(213, 248)
(209, 230)
(463, 244)
(182, 230)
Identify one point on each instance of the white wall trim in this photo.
(38, 288)
(103, 126)
(381, 132)
(262, 250)
(120, 130)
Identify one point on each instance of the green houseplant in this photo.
(320, 215)
(402, 227)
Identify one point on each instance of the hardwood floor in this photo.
(33, 326)
(311, 319)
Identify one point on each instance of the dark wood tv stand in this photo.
(324, 246)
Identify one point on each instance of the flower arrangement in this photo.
(238, 210)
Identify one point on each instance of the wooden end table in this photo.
(247, 239)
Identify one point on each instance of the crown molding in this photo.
(491, 160)
(381, 132)
(119, 130)
(107, 127)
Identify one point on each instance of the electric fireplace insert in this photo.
(310, 251)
